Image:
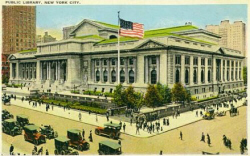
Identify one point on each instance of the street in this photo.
(169, 142)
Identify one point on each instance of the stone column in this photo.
(221, 70)
(38, 70)
(59, 70)
(17, 70)
(47, 70)
(199, 71)
(225, 74)
(191, 73)
(93, 70)
(73, 70)
(135, 67)
(11, 68)
(214, 70)
(109, 71)
(158, 68)
(146, 69)
(101, 71)
(230, 70)
(206, 71)
(182, 71)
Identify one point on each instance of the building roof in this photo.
(31, 127)
(107, 25)
(112, 125)
(111, 144)
(22, 116)
(89, 37)
(26, 51)
(10, 120)
(75, 131)
(62, 139)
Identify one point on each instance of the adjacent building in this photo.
(233, 35)
(18, 31)
(45, 38)
(87, 60)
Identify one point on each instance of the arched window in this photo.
(195, 76)
(186, 76)
(131, 76)
(177, 76)
(153, 77)
(97, 75)
(112, 37)
(122, 76)
(208, 76)
(202, 76)
(105, 76)
(113, 76)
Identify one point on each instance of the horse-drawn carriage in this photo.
(234, 111)
(6, 100)
(222, 113)
(209, 114)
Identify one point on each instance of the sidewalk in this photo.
(99, 120)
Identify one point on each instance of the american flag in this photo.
(131, 29)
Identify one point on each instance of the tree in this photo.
(119, 95)
(130, 97)
(178, 92)
(152, 97)
(5, 79)
(139, 100)
(245, 75)
(165, 93)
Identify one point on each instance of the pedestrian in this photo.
(22, 99)
(164, 121)
(167, 121)
(202, 137)
(229, 144)
(153, 128)
(96, 118)
(137, 129)
(52, 107)
(124, 127)
(35, 149)
(201, 114)
(80, 116)
(131, 122)
(225, 140)
(40, 151)
(47, 152)
(180, 135)
(90, 136)
(83, 133)
(161, 128)
(119, 142)
(120, 123)
(208, 140)
(64, 108)
(196, 113)
(11, 149)
(160, 152)
(15, 97)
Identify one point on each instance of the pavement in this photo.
(99, 120)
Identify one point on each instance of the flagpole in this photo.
(118, 70)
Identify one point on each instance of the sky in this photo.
(54, 17)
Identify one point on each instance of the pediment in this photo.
(150, 44)
(86, 22)
(220, 51)
(12, 57)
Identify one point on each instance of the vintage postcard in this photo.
(130, 78)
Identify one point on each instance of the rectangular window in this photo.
(203, 62)
(196, 91)
(113, 61)
(209, 62)
(195, 62)
(153, 60)
(187, 60)
(203, 90)
(177, 59)
(131, 61)
(97, 62)
(121, 61)
(105, 62)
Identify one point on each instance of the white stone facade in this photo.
(87, 62)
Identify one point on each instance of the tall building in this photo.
(18, 31)
(45, 38)
(88, 61)
(67, 31)
(233, 35)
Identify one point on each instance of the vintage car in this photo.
(48, 131)
(6, 115)
(62, 147)
(31, 134)
(11, 127)
(209, 114)
(76, 140)
(6, 100)
(109, 148)
(110, 129)
(22, 120)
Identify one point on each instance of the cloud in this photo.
(57, 33)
